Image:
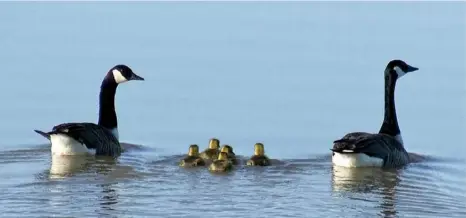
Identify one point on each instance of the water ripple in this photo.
(141, 183)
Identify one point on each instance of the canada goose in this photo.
(101, 138)
(259, 158)
(383, 149)
(211, 153)
(222, 164)
(230, 154)
(193, 159)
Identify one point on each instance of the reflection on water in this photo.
(109, 196)
(65, 166)
(415, 189)
(137, 185)
(368, 180)
(363, 179)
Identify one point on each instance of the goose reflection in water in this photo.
(349, 182)
(109, 197)
(66, 166)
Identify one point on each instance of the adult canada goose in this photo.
(192, 159)
(259, 158)
(101, 138)
(383, 149)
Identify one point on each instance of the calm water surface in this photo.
(295, 76)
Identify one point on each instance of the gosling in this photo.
(193, 159)
(230, 154)
(211, 153)
(222, 164)
(259, 158)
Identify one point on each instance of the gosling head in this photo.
(223, 156)
(193, 150)
(259, 149)
(398, 68)
(214, 143)
(227, 149)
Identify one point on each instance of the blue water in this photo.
(295, 76)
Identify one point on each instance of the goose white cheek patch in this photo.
(399, 71)
(118, 76)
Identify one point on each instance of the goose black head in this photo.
(122, 73)
(399, 68)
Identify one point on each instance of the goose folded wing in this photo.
(349, 141)
(375, 145)
(93, 136)
(356, 135)
(73, 130)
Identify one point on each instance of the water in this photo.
(294, 76)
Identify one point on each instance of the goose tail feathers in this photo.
(46, 135)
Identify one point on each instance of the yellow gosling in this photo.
(193, 159)
(222, 164)
(231, 155)
(211, 153)
(259, 158)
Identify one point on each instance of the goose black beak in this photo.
(136, 77)
(411, 69)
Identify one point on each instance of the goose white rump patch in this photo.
(65, 145)
(355, 160)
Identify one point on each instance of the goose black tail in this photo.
(46, 135)
(344, 146)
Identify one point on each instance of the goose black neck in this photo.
(107, 114)
(390, 122)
